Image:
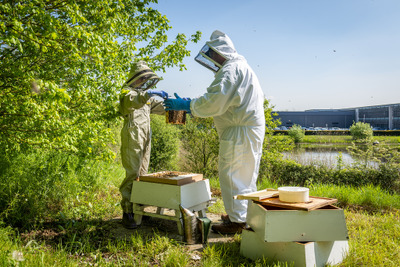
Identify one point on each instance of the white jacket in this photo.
(235, 100)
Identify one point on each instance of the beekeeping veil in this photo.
(216, 52)
(141, 76)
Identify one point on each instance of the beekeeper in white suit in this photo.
(235, 100)
(136, 104)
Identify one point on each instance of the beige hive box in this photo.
(312, 233)
(275, 224)
(308, 254)
(194, 196)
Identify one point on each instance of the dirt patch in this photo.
(101, 230)
(168, 228)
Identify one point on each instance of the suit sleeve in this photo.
(157, 107)
(132, 100)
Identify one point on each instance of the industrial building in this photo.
(383, 117)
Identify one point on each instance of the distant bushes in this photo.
(361, 131)
(287, 172)
(341, 132)
(296, 133)
(385, 172)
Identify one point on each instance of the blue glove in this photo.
(160, 93)
(177, 104)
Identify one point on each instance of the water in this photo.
(327, 156)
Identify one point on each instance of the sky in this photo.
(307, 54)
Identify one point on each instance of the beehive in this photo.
(275, 224)
(307, 234)
(299, 254)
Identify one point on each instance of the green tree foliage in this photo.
(296, 133)
(164, 144)
(62, 64)
(200, 145)
(361, 131)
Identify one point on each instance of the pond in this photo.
(322, 155)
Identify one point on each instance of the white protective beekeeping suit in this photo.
(235, 100)
(135, 107)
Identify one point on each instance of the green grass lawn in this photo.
(372, 218)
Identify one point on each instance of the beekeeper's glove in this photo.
(178, 103)
(160, 93)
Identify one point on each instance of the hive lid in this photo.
(312, 204)
(258, 195)
(171, 177)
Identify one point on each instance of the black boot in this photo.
(128, 221)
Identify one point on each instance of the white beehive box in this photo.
(170, 196)
(307, 254)
(274, 224)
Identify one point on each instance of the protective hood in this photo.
(141, 76)
(217, 51)
(222, 44)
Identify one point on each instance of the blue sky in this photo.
(307, 54)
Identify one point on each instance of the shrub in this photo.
(164, 144)
(296, 133)
(361, 131)
(273, 143)
(287, 172)
(200, 143)
(36, 187)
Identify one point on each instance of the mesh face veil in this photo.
(141, 76)
(146, 82)
(206, 57)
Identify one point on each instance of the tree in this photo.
(62, 65)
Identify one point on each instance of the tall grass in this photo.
(40, 187)
(370, 197)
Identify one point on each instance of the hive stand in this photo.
(194, 196)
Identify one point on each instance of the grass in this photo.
(372, 217)
(369, 197)
(84, 229)
(374, 239)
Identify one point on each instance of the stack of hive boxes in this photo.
(306, 234)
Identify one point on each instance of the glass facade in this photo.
(381, 117)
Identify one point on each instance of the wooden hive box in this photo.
(278, 224)
(307, 254)
(171, 196)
